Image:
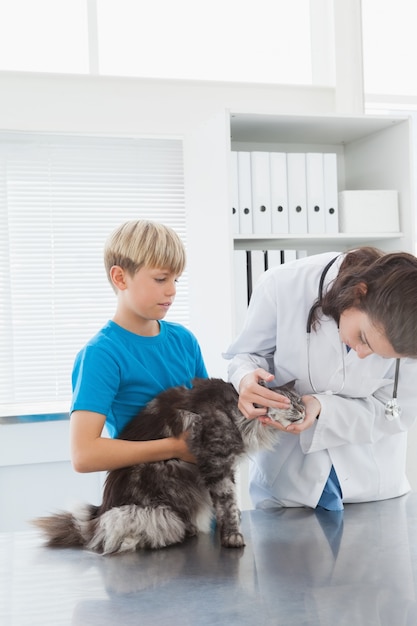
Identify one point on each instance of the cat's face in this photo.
(295, 413)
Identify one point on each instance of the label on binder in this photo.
(330, 193)
(245, 193)
(297, 193)
(315, 193)
(279, 193)
(261, 193)
(234, 192)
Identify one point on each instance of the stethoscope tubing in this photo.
(392, 408)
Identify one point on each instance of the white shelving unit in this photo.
(281, 242)
(373, 152)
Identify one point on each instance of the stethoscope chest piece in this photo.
(392, 410)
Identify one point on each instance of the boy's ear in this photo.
(118, 277)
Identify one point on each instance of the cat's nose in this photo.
(298, 418)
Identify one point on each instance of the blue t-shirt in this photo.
(118, 372)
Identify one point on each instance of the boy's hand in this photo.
(183, 453)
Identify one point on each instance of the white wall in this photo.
(186, 109)
(36, 477)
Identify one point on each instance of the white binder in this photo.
(297, 193)
(258, 265)
(261, 193)
(234, 192)
(275, 257)
(316, 222)
(245, 192)
(290, 255)
(330, 193)
(279, 193)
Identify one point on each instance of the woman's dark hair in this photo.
(382, 285)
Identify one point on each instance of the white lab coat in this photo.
(367, 450)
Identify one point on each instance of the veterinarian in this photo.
(136, 355)
(344, 328)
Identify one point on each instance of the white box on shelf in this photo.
(369, 211)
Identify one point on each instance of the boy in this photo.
(135, 355)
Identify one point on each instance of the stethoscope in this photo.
(392, 408)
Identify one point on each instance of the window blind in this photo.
(60, 197)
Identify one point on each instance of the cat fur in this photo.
(154, 505)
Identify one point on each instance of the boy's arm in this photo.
(90, 452)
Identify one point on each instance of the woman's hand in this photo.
(254, 399)
(251, 392)
(313, 408)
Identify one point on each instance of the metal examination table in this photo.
(299, 567)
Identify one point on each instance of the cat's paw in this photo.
(232, 540)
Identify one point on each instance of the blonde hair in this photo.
(142, 243)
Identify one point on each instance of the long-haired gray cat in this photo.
(153, 505)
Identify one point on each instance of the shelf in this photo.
(332, 130)
(330, 241)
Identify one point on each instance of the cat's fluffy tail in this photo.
(68, 530)
(120, 529)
